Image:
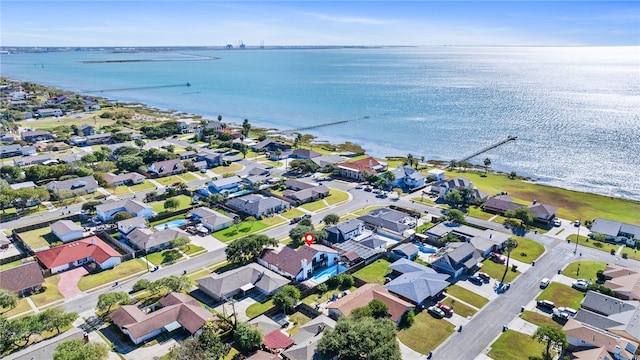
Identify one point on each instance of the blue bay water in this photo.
(575, 110)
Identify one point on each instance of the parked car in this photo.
(499, 258)
(295, 220)
(306, 216)
(475, 279)
(545, 304)
(581, 284)
(544, 283)
(446, 309)
(358, 187)
(557, 222)
(204, 171)
(483, 276)
(569, 311)
(434, 310)
(368, 189)
(176, 183)
(559, 315)
(576, 223)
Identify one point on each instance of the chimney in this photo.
(534, 201)
(93, 241)
(303, 264)
(490, 235)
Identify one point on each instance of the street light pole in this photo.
(577, 238)
(146, 260)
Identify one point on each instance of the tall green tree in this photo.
(522, 213)
(248, 248)
(286, 298)
(246, 127)
(509, 244)
(487, 163)
(56, 318)
(553, 338)
(331, 219)
(455, 215)
(454, 197)
(248, 338)
(77, 349)
(171, 204)
(8, 299)
(361, 339)
(389, 177)
(107, 300)
(206, 345)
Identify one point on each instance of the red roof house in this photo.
(276, 340)
(76, 253)
(356, 169)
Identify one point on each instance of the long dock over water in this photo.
(142, 87)
(290, 131)
(487, 148)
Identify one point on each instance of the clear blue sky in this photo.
(153, 23)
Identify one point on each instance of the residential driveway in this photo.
(485, 290)
(68, 285)
(522, 326)
(240, 307)
(208, 242)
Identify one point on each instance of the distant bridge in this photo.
(320, 125)
(487, 148)
(141, 88)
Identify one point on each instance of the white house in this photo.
(299, 264)
(436, 174)
(106, 211)
(77, 253)
(67, 230)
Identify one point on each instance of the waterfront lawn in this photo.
(51, 292)
(314, 205)
(414, 337)
(337, 196)
(292, 213)
(539, 319)
(233, 167)
(562, 295)
(374, 272)
(158, 206)
(22, 307)
(496, 271)
(125, 269)
(258, 308)
(467, 296)
(600, 245)
(571, 204)
(527, 250)
(459, 308)
(39, 238)
(587, 269)
(513, 345)
(243, 229)
(146, 185)
(168, 256)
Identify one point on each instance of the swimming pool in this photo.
(324, 274)
(171, 224)
(424, 249)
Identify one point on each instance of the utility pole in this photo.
(577, 237)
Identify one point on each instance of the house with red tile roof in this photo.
(277, 341)
(76, 253)
(357, 169)
(177, 310)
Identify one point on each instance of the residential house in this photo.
(225, 185)
(608, 313)
(177, 311)
(128, 225)
(212, 159)
(23, 279)
(29, 150)
(303, 192)
(436, 174)
(34, 160)
(304, 154)
(396, 307)
(279, 155)
(605, 305)
(106, 211)
(240, 280)
(188, 155)
(151, 240)
(257, 205)
(485, 241)
(97, 139)
(213, 125)
(35, 136)
(130, 178)
(353, 251)
(51, 146)
(625, 282)
(581, 337)
(417, 283)
(10, 150)
(616, 231)
(500, 204)
(324, 160)
(67, 230)
(407, 177)
(49, 112)
(462, 260)
(234, 133)
(167, 167)
(299, 264)
(356, 170)
(81, 185)
(276, 341)
(185, 127)
(392, 223)
(347, 230)
(257, 176)
(406, 251)
(23, 185)
(264, 323)
(70, 158)
(211, 219)
(271, 145)
(77, 253)
(85, 130)
(307, 338)
(447, 186)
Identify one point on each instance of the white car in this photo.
(557, 222)
(544, 283)
(576, 223)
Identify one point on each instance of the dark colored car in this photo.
(483, 276)
(545, 304)
(295, 220)
(306, 216)
(475, 279)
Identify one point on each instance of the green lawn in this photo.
(233, 232)
(233, 167)
(587, 269)
(51, 293)
(562, 295)
(467, 296)
(192, 249)
(158, 206)
(366, 210)
(320, 298)
(168, 180)
(293, 212)
(539, 319)
(496, 271)
(298, 319)
(258, 308)
(426, 226)
(423, 200)
(527, 250)
(120, 190)
(39, 238)
(147, 185)
(426, 333)
(193, 276)
(571, 204)
(164, 257)
(127, 268)
(10, 265)
(512, 345)
(337, 196)
(174, 217)
(631, 253)
(271, 221)
(21, 307)
(477, 212)
(314, 205)
(585, 241)
(274, 163)
(188, 177)
(374, 272)
(459, 308)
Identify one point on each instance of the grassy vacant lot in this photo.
(459, 308)
(337, 196)
(243, 229)
(233, 167)
(293, 212)
(374, 272)
(51, 293)
(158, 206)
(562, 295)
(539, 319)
(512, 345)
(416, 337)
(587, 269)
(23, 306)
(314, 205)
(496, 270)
(39, 238)
(467, 296)
(571, 204)
(527, 250)
(258, 308)
(52, 122)
(164, 257)
(585, 241)
(127, 268)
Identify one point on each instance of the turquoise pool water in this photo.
(171, 224)
(324, 274)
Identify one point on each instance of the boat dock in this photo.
(487, 148)
(142, 88)
(320, 125)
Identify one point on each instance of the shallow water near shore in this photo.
(575, 110)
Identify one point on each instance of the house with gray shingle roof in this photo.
(67, 230)
(616, 231)
(500, 204)
(151, 240)
(462, 260)
(307, 338)
(407, 251)
(251, 276)
(167, 167)
(391, 222)
(416, 283)
(346, 230)
(106, 211)
(407, 177)
(257, 205)
(447, 186)
(128, 225)
(81, 185)
(22, 279)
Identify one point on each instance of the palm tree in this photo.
(508, 246)
(453, 164)
(410, 159)
(389, 177)
(422, 159)
(487, 163)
